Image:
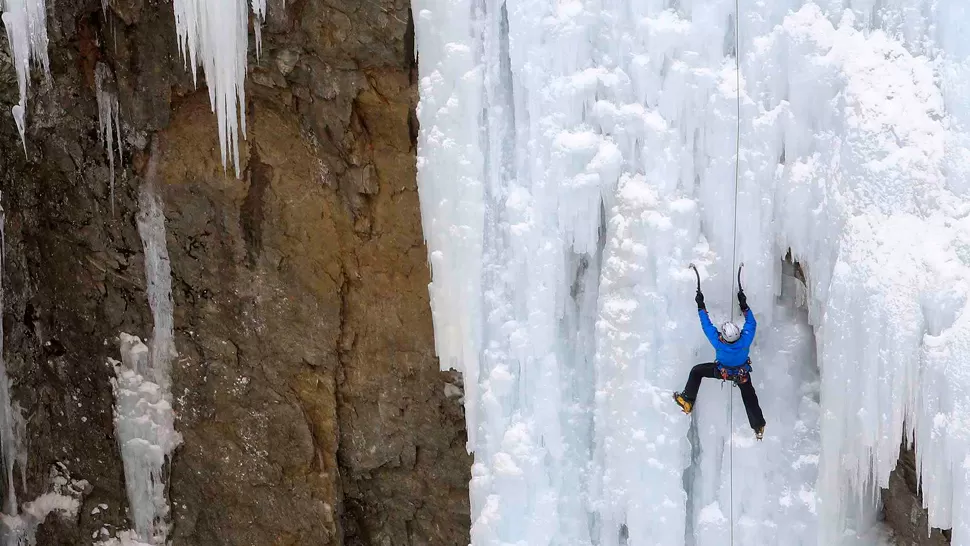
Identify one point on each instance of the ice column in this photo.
(214, 34)
(144, 418)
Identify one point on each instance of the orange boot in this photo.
(684, 403)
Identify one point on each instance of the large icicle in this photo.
(26, 24)
(214, 34)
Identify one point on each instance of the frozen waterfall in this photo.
(574, 157)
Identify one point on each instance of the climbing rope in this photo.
(731, 454)
(734, 252)
(737, 141)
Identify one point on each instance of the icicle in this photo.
(214, 34)
(26, 24)
(108, 120)
(259, 10)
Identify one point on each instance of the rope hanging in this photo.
(731, 451)
(737, 153)
(734, 252)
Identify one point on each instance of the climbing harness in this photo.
(737, 374)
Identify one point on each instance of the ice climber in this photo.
(731, 361)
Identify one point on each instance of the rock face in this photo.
(306, 387)
(903, 506)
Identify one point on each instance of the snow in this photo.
(63, 499)
(573, 158)
(125, 538)
(26, 25)
(214, 35)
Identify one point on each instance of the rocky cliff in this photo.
(903, 506)
(306, 386)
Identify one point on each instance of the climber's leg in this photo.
(686, 399)
(755, 418)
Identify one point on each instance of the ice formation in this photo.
(214, 34)
(158, 277)
(144, 417)
(108, 119)
(64, 499)
(26, 24)
(145, 428)
(19, 523)
(125, 538)
(575, 156)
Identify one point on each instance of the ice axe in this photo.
(698, 276)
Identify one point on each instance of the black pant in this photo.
(748, 396)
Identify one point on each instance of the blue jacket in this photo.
(730, 354)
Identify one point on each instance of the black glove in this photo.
(699, 298)
(742, 301)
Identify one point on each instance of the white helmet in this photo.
(730, 332)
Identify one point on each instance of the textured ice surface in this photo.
(575, 156)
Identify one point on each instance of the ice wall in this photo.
(575, 156)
